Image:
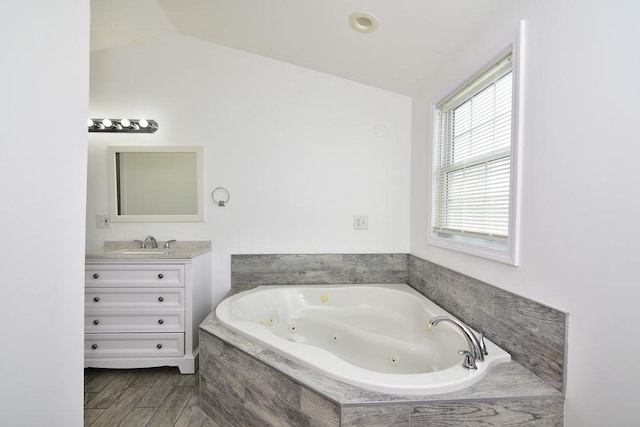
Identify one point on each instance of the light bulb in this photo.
(143, 123)
(89, 123)
(125, 123)
(107, 123)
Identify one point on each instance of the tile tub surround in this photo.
(245, 384)
(325, 269)
(532, 333)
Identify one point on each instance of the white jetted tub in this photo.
(377, 337)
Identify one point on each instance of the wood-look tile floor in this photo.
(142, 397)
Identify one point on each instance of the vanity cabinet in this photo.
(145, 312)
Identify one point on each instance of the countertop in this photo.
(185, 249)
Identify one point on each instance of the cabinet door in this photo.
(134, 275)
(133, 298)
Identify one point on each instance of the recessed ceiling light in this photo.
(363, 22)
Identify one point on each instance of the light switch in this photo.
(360, 222)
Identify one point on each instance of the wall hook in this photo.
(223, 196)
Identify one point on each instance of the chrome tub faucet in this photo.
(477, 348)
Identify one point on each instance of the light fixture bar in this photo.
(122, 125)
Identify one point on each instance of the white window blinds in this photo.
(472, 157)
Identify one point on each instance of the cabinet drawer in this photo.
(133, 345)
(96, 321)
(133, 298)
(134, 275)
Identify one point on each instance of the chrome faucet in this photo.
(167, 244)
(477, 348)
(150, 242)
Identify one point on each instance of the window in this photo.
(474, 196)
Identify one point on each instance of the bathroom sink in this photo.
(140, 251)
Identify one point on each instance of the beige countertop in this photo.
(185, 249)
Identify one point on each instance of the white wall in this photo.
(43, 110)
(300, 152)
(580, 190)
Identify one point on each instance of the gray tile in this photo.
(237, 387)
(188, 379)
(90, 415)
(268, 278)
(217, 418)
(120, 408)
(253, 263)
(533, 333)
(377, 416)
(148, 377)
(97, 379)
(214, 403)
(88, 397)
(191, 416)
(538, 319)
(385, 277)
(320, 410)
(138, 417)
(529, 413)
(277, 391)
(123, 396)
(273, 411)
(306, 269)
(156, 395)
(379, 262)
(330, 277)
(107, 395)
(172, 407)
(238, 390)
(306, 262)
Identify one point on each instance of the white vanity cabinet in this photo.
(145, 312)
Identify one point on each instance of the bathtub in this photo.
(376, 337)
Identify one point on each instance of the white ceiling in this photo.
(413, 37)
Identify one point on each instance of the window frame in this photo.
(507, 251)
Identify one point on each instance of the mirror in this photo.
(155, 184)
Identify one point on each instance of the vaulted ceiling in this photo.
(413, 37)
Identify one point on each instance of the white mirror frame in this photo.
(113, 202)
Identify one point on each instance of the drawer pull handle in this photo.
(160, 276)
(160, 321)
(94, 346)
(95, 322)
(96, 275)
(96, 299)
(159, 346)
(160, 299)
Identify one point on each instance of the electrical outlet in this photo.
(360, 222)
(103, 221)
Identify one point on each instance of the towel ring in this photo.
(220, 200)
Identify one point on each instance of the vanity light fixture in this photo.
(122, 125)
(363, 22)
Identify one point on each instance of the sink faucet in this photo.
(167, 244)
(150, 242)
(477, 349)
